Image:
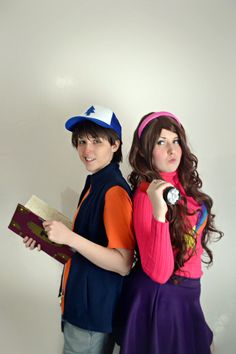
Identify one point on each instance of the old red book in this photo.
(27, 221)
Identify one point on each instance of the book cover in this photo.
(27, 221)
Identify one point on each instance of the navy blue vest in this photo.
(92, 293)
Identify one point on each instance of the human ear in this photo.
(115, 146)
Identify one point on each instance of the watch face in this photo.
(172, 196)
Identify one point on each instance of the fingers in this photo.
(155, 192)
(25, 239)
(38, 247)
(159, 184)
(31, 244)
(47, 224)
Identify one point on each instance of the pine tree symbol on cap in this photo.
(90, 110)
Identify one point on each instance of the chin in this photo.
(171, 169)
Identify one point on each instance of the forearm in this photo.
(154, 241)
(157, 258)
(112, 259)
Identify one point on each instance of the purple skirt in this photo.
(162, 318)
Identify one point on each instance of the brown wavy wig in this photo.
(140, 158)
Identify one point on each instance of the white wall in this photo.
(136, 56)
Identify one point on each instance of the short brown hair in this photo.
(87, 128)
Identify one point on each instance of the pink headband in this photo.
(152, 116)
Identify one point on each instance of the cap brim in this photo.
(72, 122)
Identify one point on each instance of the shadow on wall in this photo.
(69, 202)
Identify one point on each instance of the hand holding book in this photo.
(28, 220)
(57, 232)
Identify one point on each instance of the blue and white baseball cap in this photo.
(99, 115)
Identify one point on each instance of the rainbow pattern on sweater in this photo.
(197, 229)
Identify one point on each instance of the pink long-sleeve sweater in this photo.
(153, 237)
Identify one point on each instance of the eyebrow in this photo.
(163, 137)
(89, 138)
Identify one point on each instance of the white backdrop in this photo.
(137, 56)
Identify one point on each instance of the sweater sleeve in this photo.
(153, 240)
(118, 219)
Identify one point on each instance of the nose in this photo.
(171, 148)
(87, 148)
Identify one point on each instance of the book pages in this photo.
(42, 209)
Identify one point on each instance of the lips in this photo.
(88, 161)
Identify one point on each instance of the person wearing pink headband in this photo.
(160, 306)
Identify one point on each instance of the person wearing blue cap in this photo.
(102, 236)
